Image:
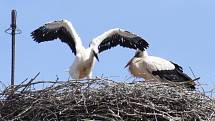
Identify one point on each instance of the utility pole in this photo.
(12, 30)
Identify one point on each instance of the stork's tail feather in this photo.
(190, 85)
(196, 79)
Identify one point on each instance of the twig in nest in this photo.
(29, 83)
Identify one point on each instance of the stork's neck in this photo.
(145, 53)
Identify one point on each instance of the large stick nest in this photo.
(105, 100)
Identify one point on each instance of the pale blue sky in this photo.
(178, 30)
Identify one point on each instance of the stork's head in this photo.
(138, 54)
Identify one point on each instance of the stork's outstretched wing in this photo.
(116, 37)
(58, 29)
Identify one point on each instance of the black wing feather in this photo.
(117, 39)
(177, 66)
(43, 34)
(175, 75)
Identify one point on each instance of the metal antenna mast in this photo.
(12, 30)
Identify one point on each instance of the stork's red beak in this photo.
(129, 62)
(95, 55)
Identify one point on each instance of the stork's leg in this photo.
(90, 75)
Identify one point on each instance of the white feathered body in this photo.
(144, 66)
(83, 64)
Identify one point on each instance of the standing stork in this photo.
(84, 61)
(158, 69)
